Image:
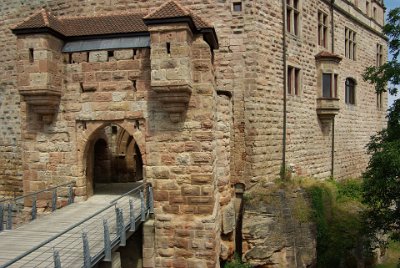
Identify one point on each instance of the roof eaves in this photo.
(47, 30)
(188, 19)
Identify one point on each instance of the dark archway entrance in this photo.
(114, 160)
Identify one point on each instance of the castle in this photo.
(199, 98)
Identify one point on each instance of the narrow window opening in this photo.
(296, 81)
(134, 85)
(114, 129)
(87, 56)
(237, 6)
(110, 54)
(293, 17)
(31, 56)
(289, 78)
(335, 85)
(293, 81)
(322, 29)
(379, 55)
(134, 53)
(168, 48)
(69, 58)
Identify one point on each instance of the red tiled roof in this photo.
(105, 24)
(172, 9)
(111, 23)
(42, 19)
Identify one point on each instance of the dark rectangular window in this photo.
(237, 6)
(289, 80)
(322, 29)
(327, 85)
(350, 94)
(31, 55)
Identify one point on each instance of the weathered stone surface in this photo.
(277, 231)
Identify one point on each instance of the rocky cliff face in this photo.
(277, 230)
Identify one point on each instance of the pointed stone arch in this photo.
(88, 132)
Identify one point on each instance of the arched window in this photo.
(350, 91)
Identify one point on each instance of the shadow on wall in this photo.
(117, 157)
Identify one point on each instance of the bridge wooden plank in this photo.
(16, 242)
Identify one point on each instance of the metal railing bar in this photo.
(55, 236)
(127, 193)
(67, 251)
(38, 192)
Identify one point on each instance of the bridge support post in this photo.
(34, 208)
(142, 209)
(87, 260)
(9, 217)
(1, 217)
(54, 200)
(121, 226)
(151, 200)
(56, 257)
(132, 216)
(107, 242)
(70, 195)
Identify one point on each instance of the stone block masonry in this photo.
(202, 118)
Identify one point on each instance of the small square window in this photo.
(237, 6)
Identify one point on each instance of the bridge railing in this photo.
(14, 211)
(92, 239)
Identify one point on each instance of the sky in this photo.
(390, 4)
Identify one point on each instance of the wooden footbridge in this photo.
(78, 235)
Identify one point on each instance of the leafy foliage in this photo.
(381, 189)
(388, 72)
(340, 228)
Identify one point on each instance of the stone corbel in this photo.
(43, 102)
(174, 98)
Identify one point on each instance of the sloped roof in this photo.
(112, 24)
(42, 19)
(172, 9)
(105, 24)
(327, 56)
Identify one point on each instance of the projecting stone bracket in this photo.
(327, 108)
(42, 101)
(174, 98)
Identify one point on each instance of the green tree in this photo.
(381, 188)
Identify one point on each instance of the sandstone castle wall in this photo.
(231, 131)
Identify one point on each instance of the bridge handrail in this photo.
(127, 193)
(112, 203)
(38, 192)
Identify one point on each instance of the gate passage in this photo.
(78, 235)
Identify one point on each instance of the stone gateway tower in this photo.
(201, 99)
